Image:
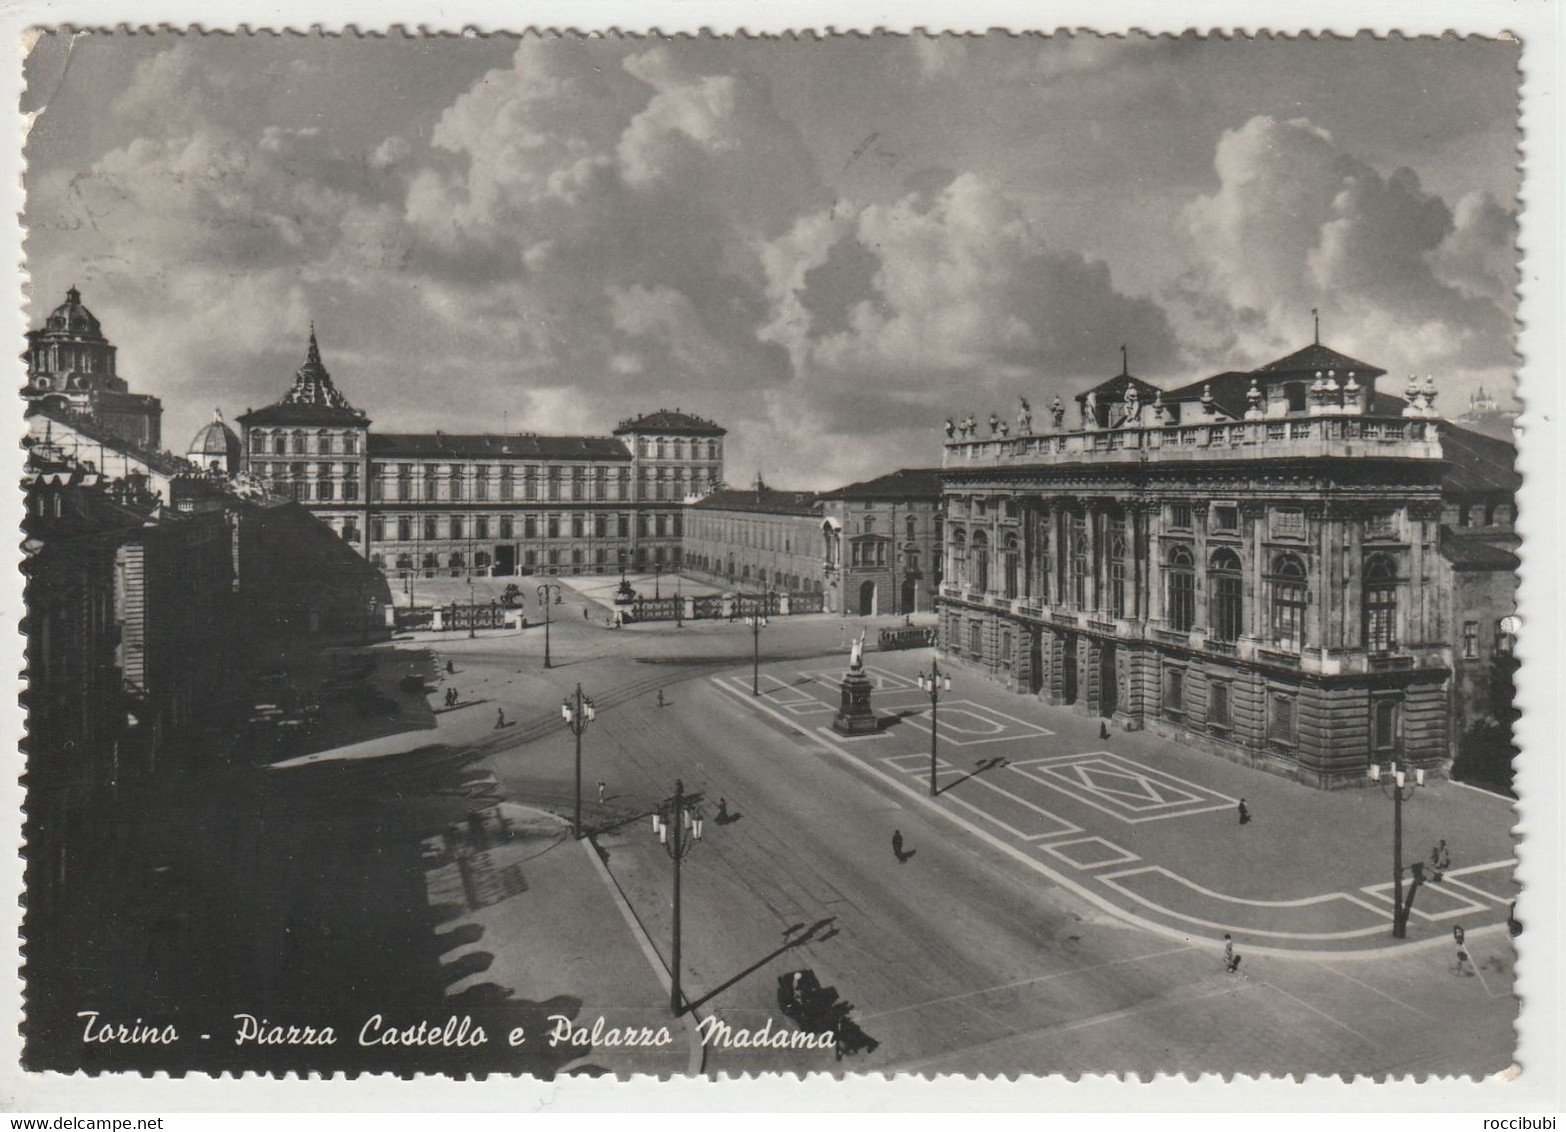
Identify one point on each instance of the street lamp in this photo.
(578, 711)
(933, 684)
(1397, 785)
(472, 598)
(758, 622)
(657, 576)
(543, 599)
(679, 602)
(677, 823)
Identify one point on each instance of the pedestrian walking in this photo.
(1245, 814)
(450, 667)
(1232, 965)
(500, 718)
(601, 789)
(1228, 951)
(897, 845)
(660, 697)
(1103, 729)
(1440, 858)
(723, 810)
(584, 613)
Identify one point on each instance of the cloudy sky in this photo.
(828, 246)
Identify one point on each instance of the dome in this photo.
(70, 317)
(215, 447)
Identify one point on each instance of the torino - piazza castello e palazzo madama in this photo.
(1246, 564)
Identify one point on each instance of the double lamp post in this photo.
(932, 684)
(1395, 782)
(578, 711)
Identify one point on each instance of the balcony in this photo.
(1224, 648)
(1388, 662)
(1325, 436)
(1282, 659)
(1172, 637)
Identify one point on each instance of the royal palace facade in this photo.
(1250, 564)
(497, 504)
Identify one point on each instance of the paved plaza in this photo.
(1149, 829)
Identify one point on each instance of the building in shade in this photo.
(71, 366)
(1251, 564)
(496, 504)
(757, 540)
(216, 449)
(882, 542)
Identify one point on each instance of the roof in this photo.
(284, 414)
(487, 446)
(1317, 358)
(1229, 389)
(1478, 463)
(72, 319)
(665, 421)
(905, 483)
(165, 462)
(766, 501)
(214, 439)
(1115, 388)
(1471, 552)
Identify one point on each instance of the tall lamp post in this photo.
(657, 577)
(1395, 783)
(679, 602)
(932, 684)
(677, 823)
(543, 599)
(578, 711)
(472, 597)
(758, 622)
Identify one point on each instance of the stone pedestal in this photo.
(855, 716)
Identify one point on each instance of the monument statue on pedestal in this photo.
(855, 715)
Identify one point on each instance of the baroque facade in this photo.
(71, 366)
(1248, 564)
(439, 503)
(883, 543)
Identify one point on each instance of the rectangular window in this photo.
(508, 486)
(578, 483)
(506, 527)
(1180, 516)
(431, 482)
(325, 490)
(429, 528)
(457, 485)
(576, 526)
(554, 526)
(351, 488)
(1383, 722)
(600, 525)
(404, 482)
(530, 482)
(600, 484)
(554, 485)
(350, 444)
(456, 526)
(377, 530)
(530, 526)
(1218, 704)
(1470, 640)
(404, 530)
(1379, 525)
(661, 525)
(623, 529)
(1280, 723)
(1226, 518)
(481, 527)
(481, 483)
(1174, 692)
(1288, 523)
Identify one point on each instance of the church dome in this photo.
(70, 317)
(216, 447)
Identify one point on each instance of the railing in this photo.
(1108, 627)
(706, 607)
(1172, 636)
(1336, 433)
(491, 616)
(1384, 663)
(413, 619)
(807, 603)
(1222, 648)
(1283, 659)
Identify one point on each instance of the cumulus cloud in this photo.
(1298, 223)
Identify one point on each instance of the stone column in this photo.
(1199, 530)
(1253, 515)
(1094, 515)
(1318, 582)
(1155, 560)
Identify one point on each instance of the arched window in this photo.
(1288, 601)
(979, 562)
(959, 554)
(1380, 606)
(1009, 562)
(1117, 567)
(1180, 590)
(1226, 610)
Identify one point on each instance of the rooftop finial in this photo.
(73, 295)
(1315, 315)
(314, 354)
(1125, 370)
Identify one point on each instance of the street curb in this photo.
(698, 1052)
(1087, 894)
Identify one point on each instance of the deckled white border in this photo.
(1539, 1088)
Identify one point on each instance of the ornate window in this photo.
(1174, 691)
(431, 482)
(1288, 601)
(979, 562)
(299, 443)
(1117, 567)
(1078, 562)
(1180, 516)
(912, 528)
(1181, 590)
(404, 532)
(869, 525)
(1384, 712)
(429, 528)
(323, 442)
(1226, 611)
(1280, 718)
(959, 552)
(1009, 565)
(350, 444)
(1380, 604)
(280, 445)
(1218, 714)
